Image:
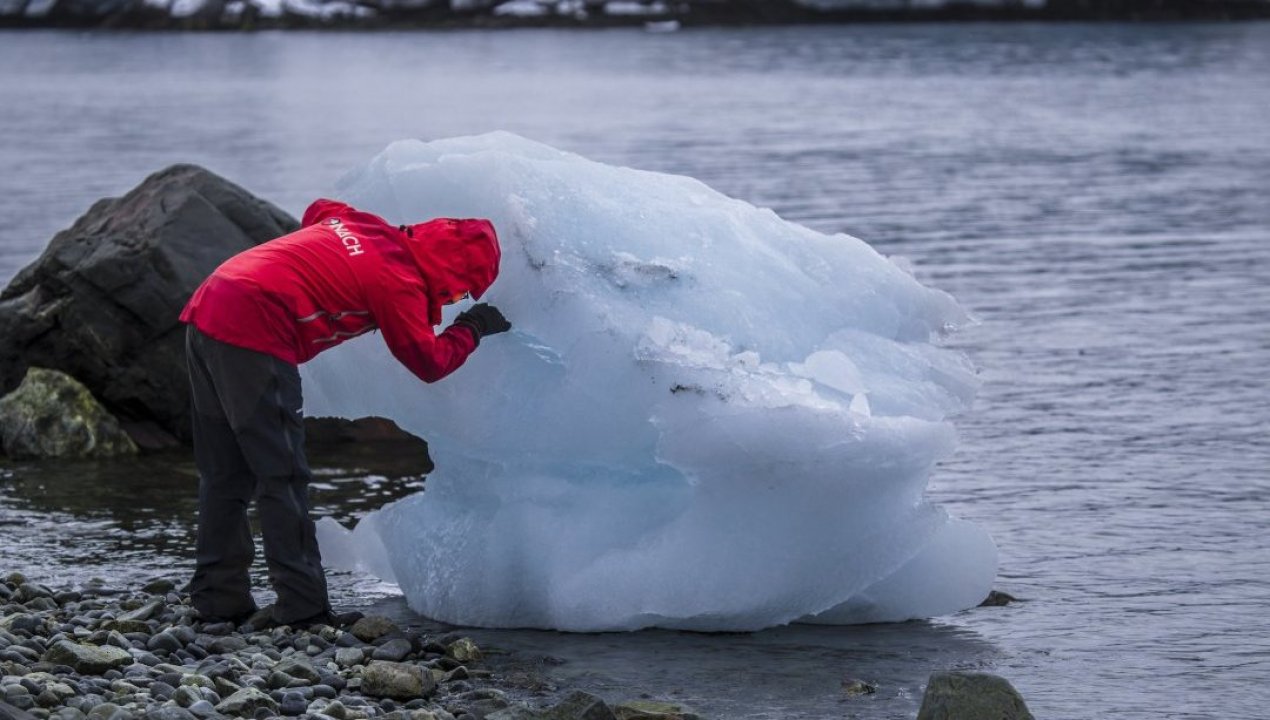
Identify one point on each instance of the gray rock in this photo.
(116, 638)
(373, 627)
(10, 712)
(227, 644)
(127, 626)
(29, 591)
(106, 711)
(298, 669)
(393, 650)
(202, 709)
(580, 706)
(87, 659)
(23, 623)
(246, 702)
(112, 287)
(168, 713)
(159, 586)
(996, 598)
(164, 642)
(186, 696)
(145, 612)
(293, 703)
(399, 681)
(348, 657)
(279, 680)
(969, 696)
(51, 415)
(196, 680)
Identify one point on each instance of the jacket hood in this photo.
(455, 256)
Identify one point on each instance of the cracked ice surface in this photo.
(706, 418)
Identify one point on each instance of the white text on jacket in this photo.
(351, 241)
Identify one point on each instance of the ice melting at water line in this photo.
(706, 417)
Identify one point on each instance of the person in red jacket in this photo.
(264, 311)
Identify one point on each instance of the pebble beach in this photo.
(112, 654)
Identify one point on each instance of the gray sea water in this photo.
(1097, 195)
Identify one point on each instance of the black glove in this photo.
(484, 319)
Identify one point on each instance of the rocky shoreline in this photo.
(102, 653)
(655, 15)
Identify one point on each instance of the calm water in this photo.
(1096, 195)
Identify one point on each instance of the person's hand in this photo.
(484, 319)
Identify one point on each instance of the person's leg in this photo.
(221, 586)
(261, 399)
(274, 443)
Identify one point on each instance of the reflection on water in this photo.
(133, 519)
(794, 671)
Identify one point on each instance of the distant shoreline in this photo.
(221, 16)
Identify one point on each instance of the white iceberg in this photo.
(705, 418)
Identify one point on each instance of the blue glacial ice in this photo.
(706, 418)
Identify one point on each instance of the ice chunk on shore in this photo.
(706, 418)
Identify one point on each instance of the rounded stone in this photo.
(293, 703)
(347, 657)
(87, 659)
(393, 650)
(373, 627)
(971, 695)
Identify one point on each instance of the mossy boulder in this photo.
(970, 696)
(51, 415)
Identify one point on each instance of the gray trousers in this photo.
(249, 443)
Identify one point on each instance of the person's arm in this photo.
(402, 317)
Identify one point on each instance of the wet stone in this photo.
(394, 650)
(225, 645)
(348, 640)
(87, 659)
(971, 695)
(219, 628)
(226, 687)
(30, 591)
(186, 696)
(293, 703)
(23, 623)
(128, 626)
(853, 687)
(581, 706)
(246, 702)
(348, 657)
(160, 586)
(109, 711)
(651, 710)
(373, 627)
(164, 642)
(396, 680)
(298, 669)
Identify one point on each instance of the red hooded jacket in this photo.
(344, 273)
